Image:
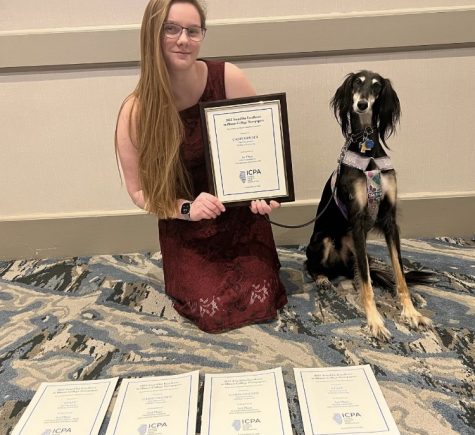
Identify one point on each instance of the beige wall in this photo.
(56, 144)
(29, 14)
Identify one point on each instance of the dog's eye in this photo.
(376, 86)
(358, 81)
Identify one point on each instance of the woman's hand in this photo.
(206, 206)
(261, 207)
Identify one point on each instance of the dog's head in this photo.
(369, 96)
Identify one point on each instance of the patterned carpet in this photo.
(102, 316)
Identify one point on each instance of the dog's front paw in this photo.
(377, 328)
(322, 282)
(380, 332)
(415, 319)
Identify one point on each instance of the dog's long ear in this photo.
(388, 110)
(341, 104)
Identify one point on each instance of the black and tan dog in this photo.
(361, 196)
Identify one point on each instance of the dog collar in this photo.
(363, 138)
(363, 134)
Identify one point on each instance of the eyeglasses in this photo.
(195, 33)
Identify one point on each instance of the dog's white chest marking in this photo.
(360, 193)
(388, 186)
(371, 191)
(368, 192)
(377, 184)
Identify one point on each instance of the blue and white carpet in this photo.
(107, 315)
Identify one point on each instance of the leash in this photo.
(344, 149)
(306, 223)
(363, 137)
(292, 226)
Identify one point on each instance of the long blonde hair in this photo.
(159, 129)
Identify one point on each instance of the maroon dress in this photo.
(221, 273)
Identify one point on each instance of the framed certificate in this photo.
(247, 149)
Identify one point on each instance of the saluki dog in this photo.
(361, 196)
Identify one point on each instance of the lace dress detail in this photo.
(221, 273)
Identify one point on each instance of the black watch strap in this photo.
(185, 210)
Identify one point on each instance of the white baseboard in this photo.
(66, 236)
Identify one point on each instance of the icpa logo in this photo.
(151, 428)
(245, 424)
(337, 418)
(252, 172)
(57, 430)
(236, 425)
(346, 417)
(350, 414)
(250, 175)
(158, 425)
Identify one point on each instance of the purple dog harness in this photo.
(373, 180)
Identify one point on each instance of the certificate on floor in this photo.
(342, 400)
(161, 405)
(245, 403)
(76, 407)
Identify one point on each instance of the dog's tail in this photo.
(383, 276)
(420, 277)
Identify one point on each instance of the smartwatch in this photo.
(185, 210)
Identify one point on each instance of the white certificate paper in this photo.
(342, 400)
(76, 408)
(247, 150)
(163, 405)
(250, 403)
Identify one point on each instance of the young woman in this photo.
(220, 264)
